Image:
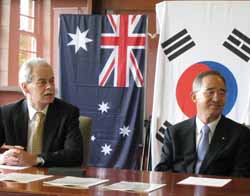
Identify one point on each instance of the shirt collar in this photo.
(32, 111)
(211, 125)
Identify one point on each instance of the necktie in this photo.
(37, 136)
(202, 147)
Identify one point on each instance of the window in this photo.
(25, 35)
(27, 30)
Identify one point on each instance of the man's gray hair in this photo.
(198, 80)
(25, 71)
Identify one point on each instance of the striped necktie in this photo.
(38, 131)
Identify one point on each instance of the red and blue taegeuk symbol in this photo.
(184, 86)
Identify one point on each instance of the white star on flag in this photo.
(103, 107)
(79, 40)
(125, 131)
(106, 149)
(92, 138)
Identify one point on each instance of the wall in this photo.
(10, 94)
(4, 40)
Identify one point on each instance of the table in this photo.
(238, 186)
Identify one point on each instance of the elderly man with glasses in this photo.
(40, 130)
(209, 143)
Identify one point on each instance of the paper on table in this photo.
(214, 182)
(134, 186)
(13, 167)
(23, 177)
(78, 182)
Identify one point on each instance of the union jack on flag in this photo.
(122, 40)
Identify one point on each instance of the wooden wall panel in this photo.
(8, 97)
(124, 4)
(66, 3)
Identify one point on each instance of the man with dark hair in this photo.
(41, 129)
(208, 143)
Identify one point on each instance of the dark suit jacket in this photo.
(228, 153)
(62, 141)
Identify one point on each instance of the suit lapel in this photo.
(189, 146)
(21, 125)
(218, 141)
(50, 126)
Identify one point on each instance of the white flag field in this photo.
(196, 36)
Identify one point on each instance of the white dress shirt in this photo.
(200, 124)
(31, 124)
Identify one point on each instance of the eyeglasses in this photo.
(212, 92)
(44, 82)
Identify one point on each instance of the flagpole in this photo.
(144, 112)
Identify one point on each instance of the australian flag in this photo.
(102, 62)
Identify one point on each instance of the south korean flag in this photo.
(196, 36)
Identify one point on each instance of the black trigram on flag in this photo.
(239, 44)
(177, 44)
(160, 133)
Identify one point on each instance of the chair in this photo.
(85, 128)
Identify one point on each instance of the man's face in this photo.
(210, 99)
(41, 91)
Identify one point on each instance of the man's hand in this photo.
(26, 158)
(9, 157)
(18, 157)
(8, 147)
